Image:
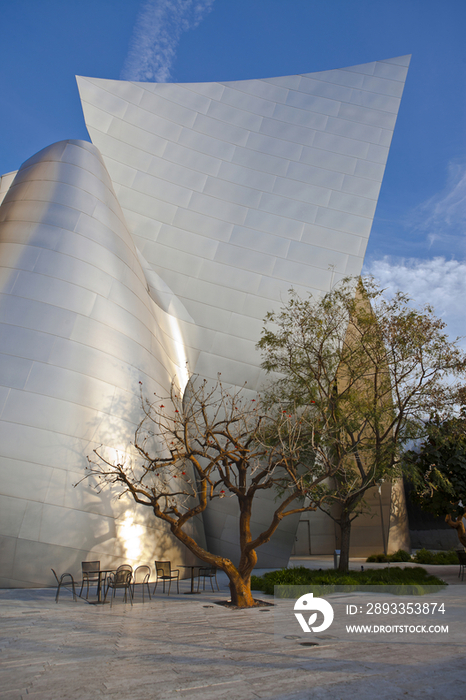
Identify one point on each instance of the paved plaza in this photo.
(188, 646)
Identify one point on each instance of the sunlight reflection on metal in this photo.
(130, 536)
(179, 346)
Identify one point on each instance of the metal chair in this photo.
(120, 579)
(61, 582)
(141, 577)
(208, 572)
(90, 572)
(462, 560)
(165, 573)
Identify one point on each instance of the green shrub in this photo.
(400, 555)
(424, 556)
(300, 576)
(377, 558)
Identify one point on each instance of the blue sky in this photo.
(418, 240)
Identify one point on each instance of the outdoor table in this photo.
(102, 575)
(192, 567)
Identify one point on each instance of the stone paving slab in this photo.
(185, 646)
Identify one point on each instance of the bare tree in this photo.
(212, 443)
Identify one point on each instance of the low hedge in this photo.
(423, 556)
(400, 555)
(301, 576)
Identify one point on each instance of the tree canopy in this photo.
(438, 471)
(366, 371)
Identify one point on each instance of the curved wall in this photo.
(78, 332)
(202, 206)
(236, 191)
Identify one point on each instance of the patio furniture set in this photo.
(124, 578)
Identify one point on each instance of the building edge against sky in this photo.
(165, 242)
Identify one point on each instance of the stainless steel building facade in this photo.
(162, 244)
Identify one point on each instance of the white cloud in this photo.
(156, 35)
(438, 282)
(442, 218)
(448, 208)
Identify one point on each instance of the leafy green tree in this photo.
(365, 371)
(212, 443)
(438, 472)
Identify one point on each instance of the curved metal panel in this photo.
(288, 167)
(255, 186)
(79, 330)
(213, 200)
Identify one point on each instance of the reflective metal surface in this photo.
(78, 332)
(166, 241)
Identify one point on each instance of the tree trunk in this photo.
(345, 529)
(240, 578)
(240, 591)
